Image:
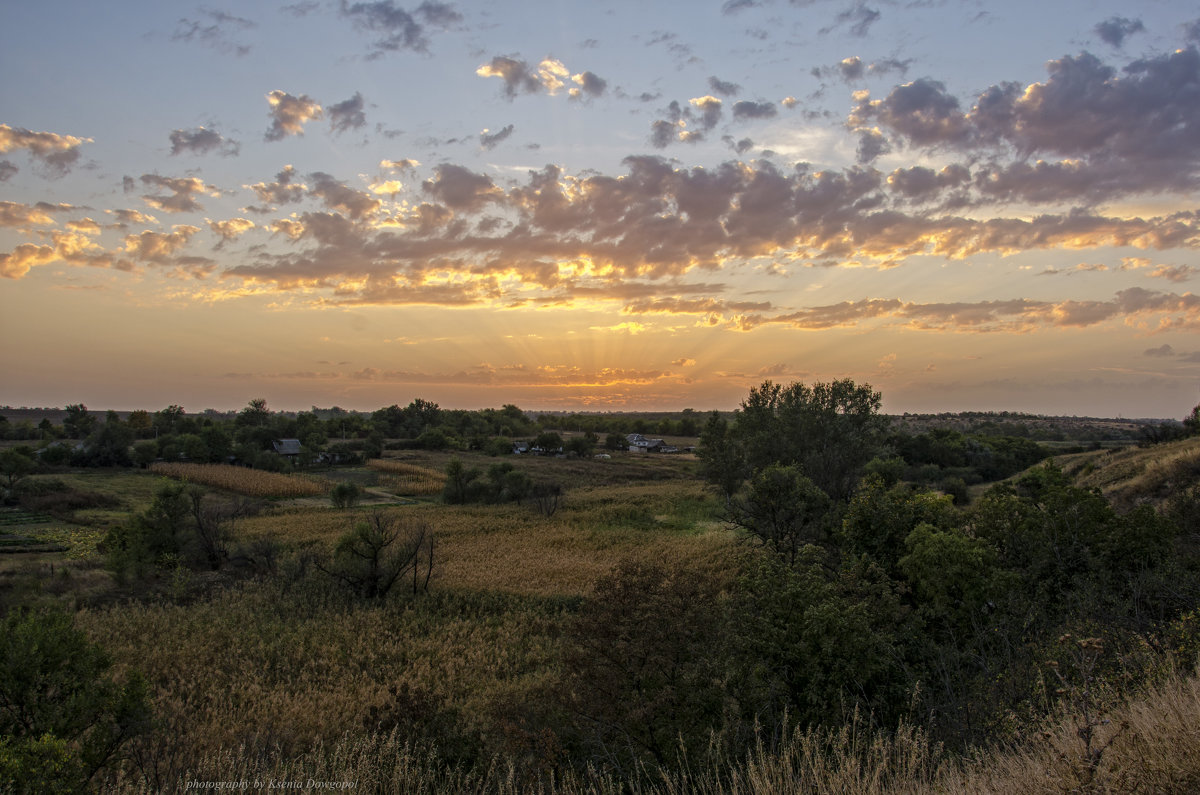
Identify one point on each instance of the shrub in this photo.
(345, 494)
(372, 557)
(63, 718)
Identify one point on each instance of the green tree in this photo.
(144, 452)
(255, 414)
(16, 463)
(108, 445)
(879, 519)
(548, 442)
(459, 482)
(642, 675)
(169, 420)
(78, 422)
(148, 537)
(721, 460)
(1191, 422)
(140, 422)
(831, 430)
(378, 552)
(783, 509)
(582, 446)
(814, 643)
(62, 719)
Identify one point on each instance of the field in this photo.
(281, 674)
(240, 480)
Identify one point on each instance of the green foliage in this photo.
(145, 452)
(582, 446)
(783, 509)
(720, 456)
(45, 765)
(818, 642)
(78, 423)
(371, 558)
(879, 519)
(345, 494)
(61, 718)
(460, 483)
(16, 463)
(943, 453)
(829, 430)
(133, 547)
(1060, 536)
(953, 576)
(548, 442)
(642, 675)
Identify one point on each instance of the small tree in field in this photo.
(345, 494)
(378, 552)
(546, 496)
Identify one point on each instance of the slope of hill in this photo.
(1153, 475)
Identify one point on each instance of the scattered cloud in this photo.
(1174, 273)
(489, 139)
(723, 87)
(57, 153)
(289, 114)
(182, 193)
(338, 196)
(284, 190)
(754, 110)
(231, 229)
(201, 141)
(1117, 133)
(549, 77)
(587, 84)
(1115, 30)
(396, 29)
(24, 216)
(347, 115)
(858, 19)
(216, 29)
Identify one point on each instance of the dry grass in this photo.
(240, 480)
(1138, 475)
(515, 550)
(1158, 752)
(269, 666)
(409, 480)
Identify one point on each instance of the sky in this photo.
(600, 205)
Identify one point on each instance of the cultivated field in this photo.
(240, 480)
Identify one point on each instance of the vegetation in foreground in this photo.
(793, 611)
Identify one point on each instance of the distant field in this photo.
(240, 480)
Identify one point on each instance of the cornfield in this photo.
(410, 479)
(251, 482)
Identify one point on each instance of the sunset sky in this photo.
(600, 205)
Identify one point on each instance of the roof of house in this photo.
(287, 446)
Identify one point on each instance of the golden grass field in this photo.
(409, 480)
(240, 480)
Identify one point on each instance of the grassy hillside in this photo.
(1152, 475)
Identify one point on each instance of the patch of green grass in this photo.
(15, 517)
